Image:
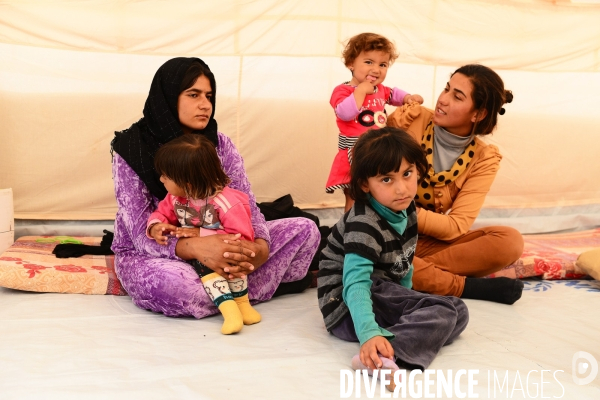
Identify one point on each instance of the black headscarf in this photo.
(160, 124)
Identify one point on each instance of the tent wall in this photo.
(73, 72)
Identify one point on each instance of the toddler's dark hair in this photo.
(368, 42)
(381, 151)
(191, 161)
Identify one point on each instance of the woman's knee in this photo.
(309, 229)
(512, 243)
(162, 281)
(297, 231)
(430, 279)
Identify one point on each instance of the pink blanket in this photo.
(552, 256)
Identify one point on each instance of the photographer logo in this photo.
(584, 364)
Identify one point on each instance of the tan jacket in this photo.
(458, 203)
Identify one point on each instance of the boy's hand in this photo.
(160, 231)
(412, 98)
(187, 232)
(370, 350)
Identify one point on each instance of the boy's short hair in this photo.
(368, 42)
(380, 151)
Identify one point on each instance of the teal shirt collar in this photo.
(389, 215)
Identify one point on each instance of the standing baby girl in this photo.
(359, 104)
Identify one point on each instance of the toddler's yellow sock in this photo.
(249, 314)
(232, 316)
(217, 289)
(239, 290)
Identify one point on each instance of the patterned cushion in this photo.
(552, 256)
(30, 265)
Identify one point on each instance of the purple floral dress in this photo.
(158, 280)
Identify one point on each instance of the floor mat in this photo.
(57, 346)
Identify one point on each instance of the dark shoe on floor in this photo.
(500, 290)
(294, 287)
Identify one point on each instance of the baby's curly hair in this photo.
(368, 42)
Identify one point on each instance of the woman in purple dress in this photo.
(182, 101)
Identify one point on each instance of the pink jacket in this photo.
(227, 212)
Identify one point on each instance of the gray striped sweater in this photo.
(364, 232)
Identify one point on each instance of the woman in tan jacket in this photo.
(450, 258)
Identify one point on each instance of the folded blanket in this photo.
(68, 250)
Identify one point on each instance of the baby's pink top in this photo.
(226, 212)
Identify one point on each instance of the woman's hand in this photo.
(370, 350)
(160, 231)
(260, 255)
(211, 250)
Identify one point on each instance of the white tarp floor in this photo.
(98, 347)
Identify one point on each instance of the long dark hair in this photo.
(488, 94)
(191, 161)
(380, 151)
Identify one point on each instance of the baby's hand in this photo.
(160, 231)
(187, 232)
(366, 87)
(412, 98)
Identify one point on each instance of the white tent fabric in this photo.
(73, 72)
